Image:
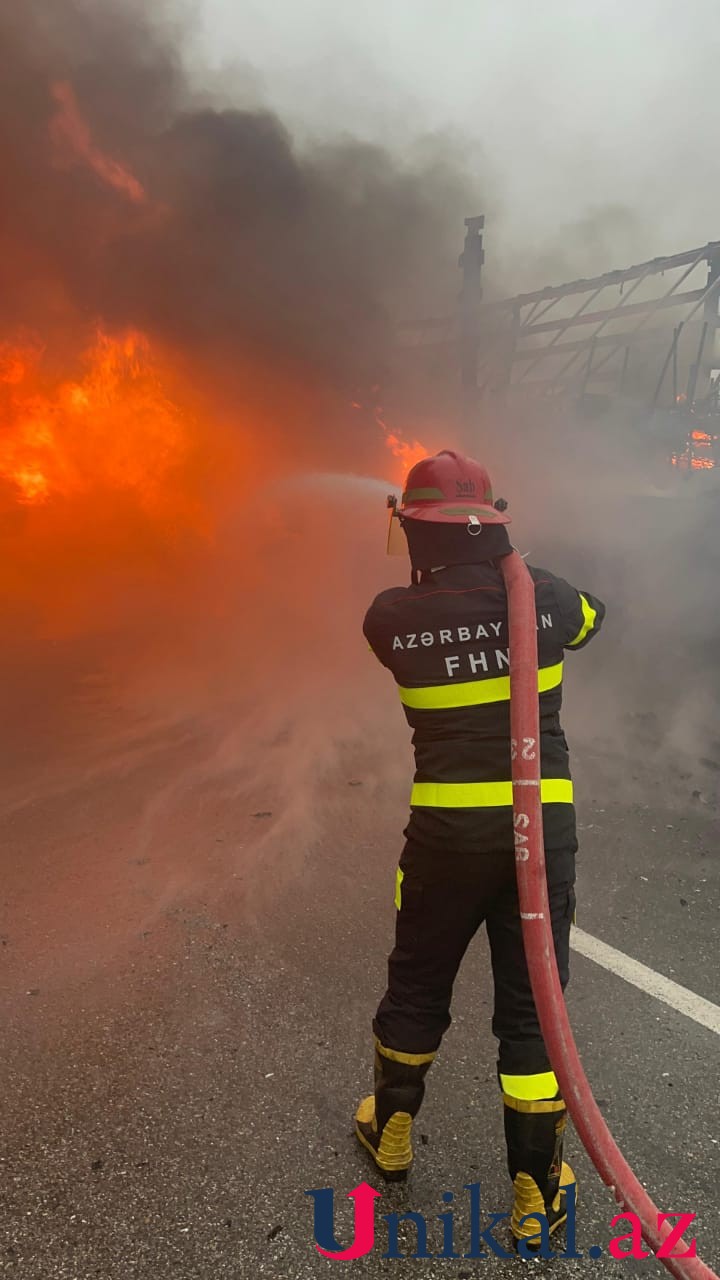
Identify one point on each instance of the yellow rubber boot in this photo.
(529, 1200)
(383, 1121)
(534, 1132)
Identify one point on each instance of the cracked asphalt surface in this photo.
(188, 983)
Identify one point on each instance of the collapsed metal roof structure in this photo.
(648, 332)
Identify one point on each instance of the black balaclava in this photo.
(433, 544)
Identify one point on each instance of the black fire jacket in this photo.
(446, 643)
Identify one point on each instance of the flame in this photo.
(15, 361)
(689, 459)
(70, 132)
(407, 453)
(113, 428)
(685, 462)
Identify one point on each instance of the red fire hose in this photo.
(537, 934)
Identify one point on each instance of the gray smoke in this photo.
(244, 687)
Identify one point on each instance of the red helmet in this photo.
(450, 489)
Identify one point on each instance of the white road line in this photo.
(647, 980)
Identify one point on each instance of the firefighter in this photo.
(445, 640)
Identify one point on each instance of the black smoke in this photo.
(249, 250)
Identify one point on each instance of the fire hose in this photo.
(537, 933)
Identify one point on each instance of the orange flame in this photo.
(408, 453)
(702, 464)
(683, 462)
(70, 131)
(15, 361)
(113, 428)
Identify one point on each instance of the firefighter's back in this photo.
(445, 640)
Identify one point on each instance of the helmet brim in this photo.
(454, 512)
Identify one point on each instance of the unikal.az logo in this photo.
(465, 488)
(479, 1235)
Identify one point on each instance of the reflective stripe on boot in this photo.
(534, 1132)
(529, 1201)
(392, 1150)
(383, 1121)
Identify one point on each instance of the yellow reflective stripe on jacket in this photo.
(589, 616)
(484, 795)
(530, 1088)
(473, 693)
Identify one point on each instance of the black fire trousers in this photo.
(444, 900)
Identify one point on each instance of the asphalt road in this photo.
(191, 958)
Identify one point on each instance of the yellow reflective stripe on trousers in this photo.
(484, 795)
(473, 693)
(399, 876)
(530, 1088)
(589, 616)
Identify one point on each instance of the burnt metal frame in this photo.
(496, 339)
(527, 327)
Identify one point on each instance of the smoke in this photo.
(596, 502)
(184, 622)
(263, 276)
(196, 338)
(204, 224)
